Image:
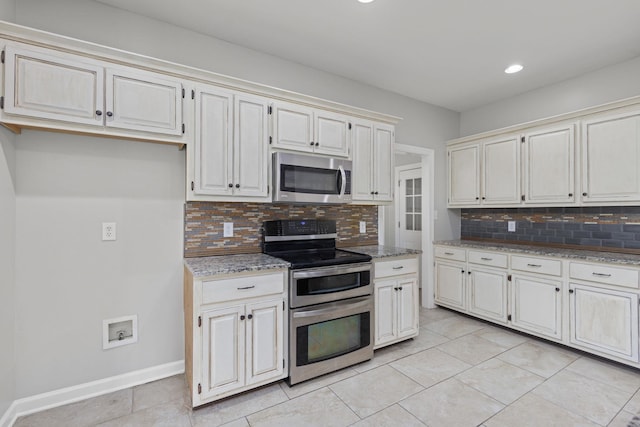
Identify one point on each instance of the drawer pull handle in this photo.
(449, 253)
(398, 268)
(246, 287)
(601, 274)
(486, 259)
(534, 265)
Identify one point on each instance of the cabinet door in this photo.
(143, 101)
(385, 313)
(549, 166)
(223, 350)
(61, 87)
(536, 305)
(488, 294)
(501, 171)
(450, 282)
(213, 142)
(407, 307)
(251, 145)
(604, 320)
(331, 133)
(611, 159)
(293, 127)
(464, 175)
(362, 173)
(265, 341)
(383, 162)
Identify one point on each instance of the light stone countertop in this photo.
(226, 264)
(593, 256)
(378, 251)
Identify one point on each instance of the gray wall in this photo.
(605, 85)
(7, 251)
(68, 281)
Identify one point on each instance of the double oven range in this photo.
(330, 297)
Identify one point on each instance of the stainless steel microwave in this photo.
(299, 178)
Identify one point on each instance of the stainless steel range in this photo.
(330, 297)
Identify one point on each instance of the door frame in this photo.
(428, 186)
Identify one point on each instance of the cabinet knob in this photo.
(484, 198)
(242, 317)
(317, 143)
(375, 193)
(399, 288)
(570, 291)
(372, 193)
(250, 316)
(477, 198)
(462, 271)
(230, 185)
(237, 185)
(557, 289)
(468, 272)
(584, 194)
(312, 143)
(570, 194)
(109, 114)
(98, 113)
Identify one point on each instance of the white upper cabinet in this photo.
(301, 128)
(77, 95)
(143, 101)
(501, 171)
(464, 175)
(611, 158)
(372, 175)
(230, 156)
(47, 88)
(549, 166)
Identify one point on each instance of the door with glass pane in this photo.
(409, 211)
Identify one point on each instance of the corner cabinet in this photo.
(396, 300)
(372, 175)
(95, 96)
(230, 152)
(311, 130)
(235, 333)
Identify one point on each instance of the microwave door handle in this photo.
(342, 180)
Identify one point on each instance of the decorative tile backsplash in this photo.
(603, 227)
(203, 223)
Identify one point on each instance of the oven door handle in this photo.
(330, 271)
(342, 182)
(335, 308)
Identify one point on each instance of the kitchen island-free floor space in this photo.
(458, 372)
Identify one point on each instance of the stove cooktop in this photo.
(321, 258)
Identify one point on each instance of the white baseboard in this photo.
(63, 396)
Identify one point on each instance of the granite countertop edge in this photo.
(586, 255)
(228, 264)
(381, 251)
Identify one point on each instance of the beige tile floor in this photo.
(458, 372)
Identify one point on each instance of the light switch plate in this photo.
(511, 226)
(227, 229)
(363, 226)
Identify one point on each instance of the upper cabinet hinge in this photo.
(349, 126)
(282, 363)
(192, 186)
(282, 305)
(183, 128)
(2, 102)
(193, 94)
(509, 317)
(522, 197)
(183, 92)
(509, 278)
(522, 139)
(270, 110)
(270, 139)
(199, 321)
(2, 57)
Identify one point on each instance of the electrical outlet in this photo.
(227, 229)
(108, 231)
(511, 226)
(363, 227)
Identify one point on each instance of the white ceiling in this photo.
(450, 53)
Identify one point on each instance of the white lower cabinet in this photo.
(396, 301)
(604, 320)
(591, 306)
(536, 305)
(235, 333)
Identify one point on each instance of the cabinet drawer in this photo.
(395, 267)
(604, 274)
(242, 287)
(456, 254)
(537, 265)
(488, 258)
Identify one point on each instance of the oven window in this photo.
(332, 338)
(328, 284)
(302, 179)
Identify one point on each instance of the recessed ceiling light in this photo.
(365, 1)
(513, 68)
